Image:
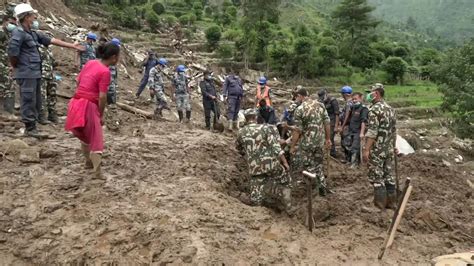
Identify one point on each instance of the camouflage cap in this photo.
(10, 9)
(378, 86)
(251, 112)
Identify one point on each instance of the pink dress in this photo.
(83, 115)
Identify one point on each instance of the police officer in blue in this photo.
(26, 62)
(150, 62)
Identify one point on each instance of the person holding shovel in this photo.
(209, 99)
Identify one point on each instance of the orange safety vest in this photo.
(265, 95)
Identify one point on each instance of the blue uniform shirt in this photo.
(24, 45)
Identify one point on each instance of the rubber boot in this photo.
(231, 125)
(180, 115)
(96, 159)
(380, 196)
(53, 116)
(31, 131)
(354, 160)
(86, 153)
(42, 118)
(391, 197)
(188, 116)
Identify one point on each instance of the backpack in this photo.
(234, 86)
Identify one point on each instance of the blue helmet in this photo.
(181, 68)
(262, 80)
(92, 36)
(162, 61)
(116, 42)
(346, 90)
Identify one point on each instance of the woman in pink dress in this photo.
(86, 108)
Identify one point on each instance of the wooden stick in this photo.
(134, 110)
(397, 215)
(309, 192)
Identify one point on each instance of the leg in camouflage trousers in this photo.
(48, 106)
(272, 191)
(7, 91)
(312, 161)
(380, 169)
(161, 103)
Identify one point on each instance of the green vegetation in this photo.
(455, 76)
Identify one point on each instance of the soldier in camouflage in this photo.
(311, 132)
(380, 147)
(182, 93)
(7, 90)
(113, 86)
(156, 86)
(269, 184)
(89, 53)
(48, 87)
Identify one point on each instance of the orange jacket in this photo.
(265, 95)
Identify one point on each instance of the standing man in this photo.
(112, 92)
(149, 63)
(263, 92)
(332, 108)
(89, 50)
(182, 94)
(310, 133)
(48, 86)
(156, 85)
(266, 163)
(233, 92)
(209, 98)
(355, 124)
(26, 62)
(7, 91)
(379, 149)
(346, 93)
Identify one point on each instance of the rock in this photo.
(426, 145)
(446, 163)
(13, 147)
(188, 253)
(459, 159)
(29, 155)
(47, 153)
(465, 145)
(57, 231)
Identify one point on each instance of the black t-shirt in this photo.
(358, 115)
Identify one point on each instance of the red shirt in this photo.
(94, 78)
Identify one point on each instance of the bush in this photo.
(153, 20)
(187, 19)
(232, 34)
(159, 8)
(396, 67)
(170, 20)
(213, 36)
(225, 51)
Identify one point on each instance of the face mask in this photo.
(369, 97)
(357, 104)
(209, 77)
(11, 27)
(35, 25)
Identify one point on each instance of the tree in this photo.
(455, 76)
(396, 67)
(353, 17)
(159, 8)
(428, 56)
(213, 36)
(152, 19)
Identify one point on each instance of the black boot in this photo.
(53, 116)
(42, 118)
(180, 115)
(380, 196)
(208, 123)
(391, 196)
(31, 131)
(188, 116)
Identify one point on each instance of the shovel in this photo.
(218, 125)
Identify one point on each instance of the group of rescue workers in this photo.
(273, 147)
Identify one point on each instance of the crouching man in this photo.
(269, 184)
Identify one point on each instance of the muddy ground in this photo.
(173, 195)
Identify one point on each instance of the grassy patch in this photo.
(423, 94)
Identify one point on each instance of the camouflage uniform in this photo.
(156, 83)
(381, 127)
(345, 135)
(311, 118)
(268, 183)
(182, 95)
(112, 92)
(48, 84)
(7, 91)
(88, 54)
